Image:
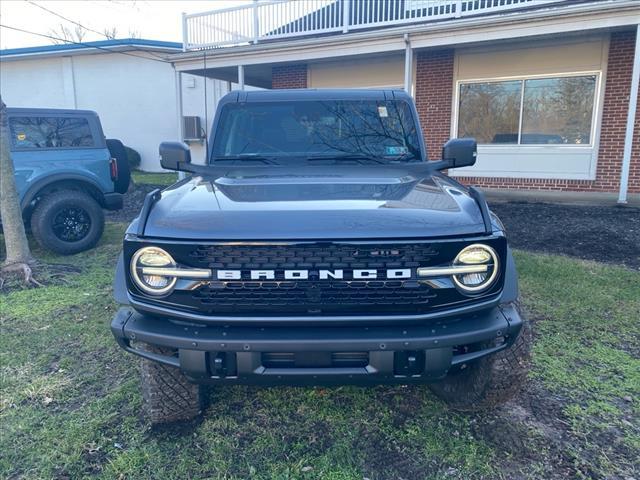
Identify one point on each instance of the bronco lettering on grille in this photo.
(339, 274)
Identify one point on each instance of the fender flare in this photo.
(120, 283)
(44, 182)
(510, 289)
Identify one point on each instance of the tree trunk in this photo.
(15, 239)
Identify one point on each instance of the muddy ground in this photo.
(602, 233)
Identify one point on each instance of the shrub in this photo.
(133, 157)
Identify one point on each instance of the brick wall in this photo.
(614, 118)
(433, 96)
(289, 76)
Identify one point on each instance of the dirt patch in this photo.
(46, 274)
(384, 459)
(531, 431)
(133, 201)
(600, 233)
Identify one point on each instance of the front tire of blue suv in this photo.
(490, 381)
(67, 222)
(168, 395)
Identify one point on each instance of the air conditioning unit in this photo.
(192, 130)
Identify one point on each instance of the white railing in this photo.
(273, 19)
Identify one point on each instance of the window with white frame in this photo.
(556, 110)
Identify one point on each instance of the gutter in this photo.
(86, 50)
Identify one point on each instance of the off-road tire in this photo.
(490, 381)
(168, 396)
(51, 205)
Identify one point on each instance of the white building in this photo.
(128, 82)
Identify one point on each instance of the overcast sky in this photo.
(150, 19)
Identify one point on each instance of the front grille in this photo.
(332, 255)
(315, 296)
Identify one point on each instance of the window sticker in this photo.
(21, 137)
(382, 111)
(395, 150)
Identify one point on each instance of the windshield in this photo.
(332, 129)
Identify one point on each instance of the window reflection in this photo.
(558, 110)
(490, 112)
(555, 111)
(50, 132)
(316, 128)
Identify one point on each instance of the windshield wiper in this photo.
(245, 157)
(347, 156)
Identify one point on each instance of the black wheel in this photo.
(168, 396)
(117, 151)
(67, 222)
(490, 381)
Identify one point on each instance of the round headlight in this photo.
(481, 256)
(152, 257)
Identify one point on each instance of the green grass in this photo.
(153, 178)
(587, 350)
(70, 401)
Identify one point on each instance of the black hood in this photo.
(317, 203)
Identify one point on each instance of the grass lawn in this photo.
(153, 178)
(70, 398)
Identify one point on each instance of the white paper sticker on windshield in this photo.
(382, 111)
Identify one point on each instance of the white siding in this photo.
(135, 98)
(33, 83)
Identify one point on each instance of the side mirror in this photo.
(460, 152)
(174, 155)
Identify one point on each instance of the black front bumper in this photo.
(387, 354)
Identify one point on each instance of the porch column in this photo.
(408, 65)
(241, 77)
(631, 116)
(181, 175)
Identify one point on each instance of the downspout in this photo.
(178, 81)
(69, 82)
(631, 116)
(408, 62)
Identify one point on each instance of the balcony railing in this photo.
(265, 20)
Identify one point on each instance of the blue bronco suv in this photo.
(66, 173)
(319, 245)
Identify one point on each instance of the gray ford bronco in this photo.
(319, 245)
